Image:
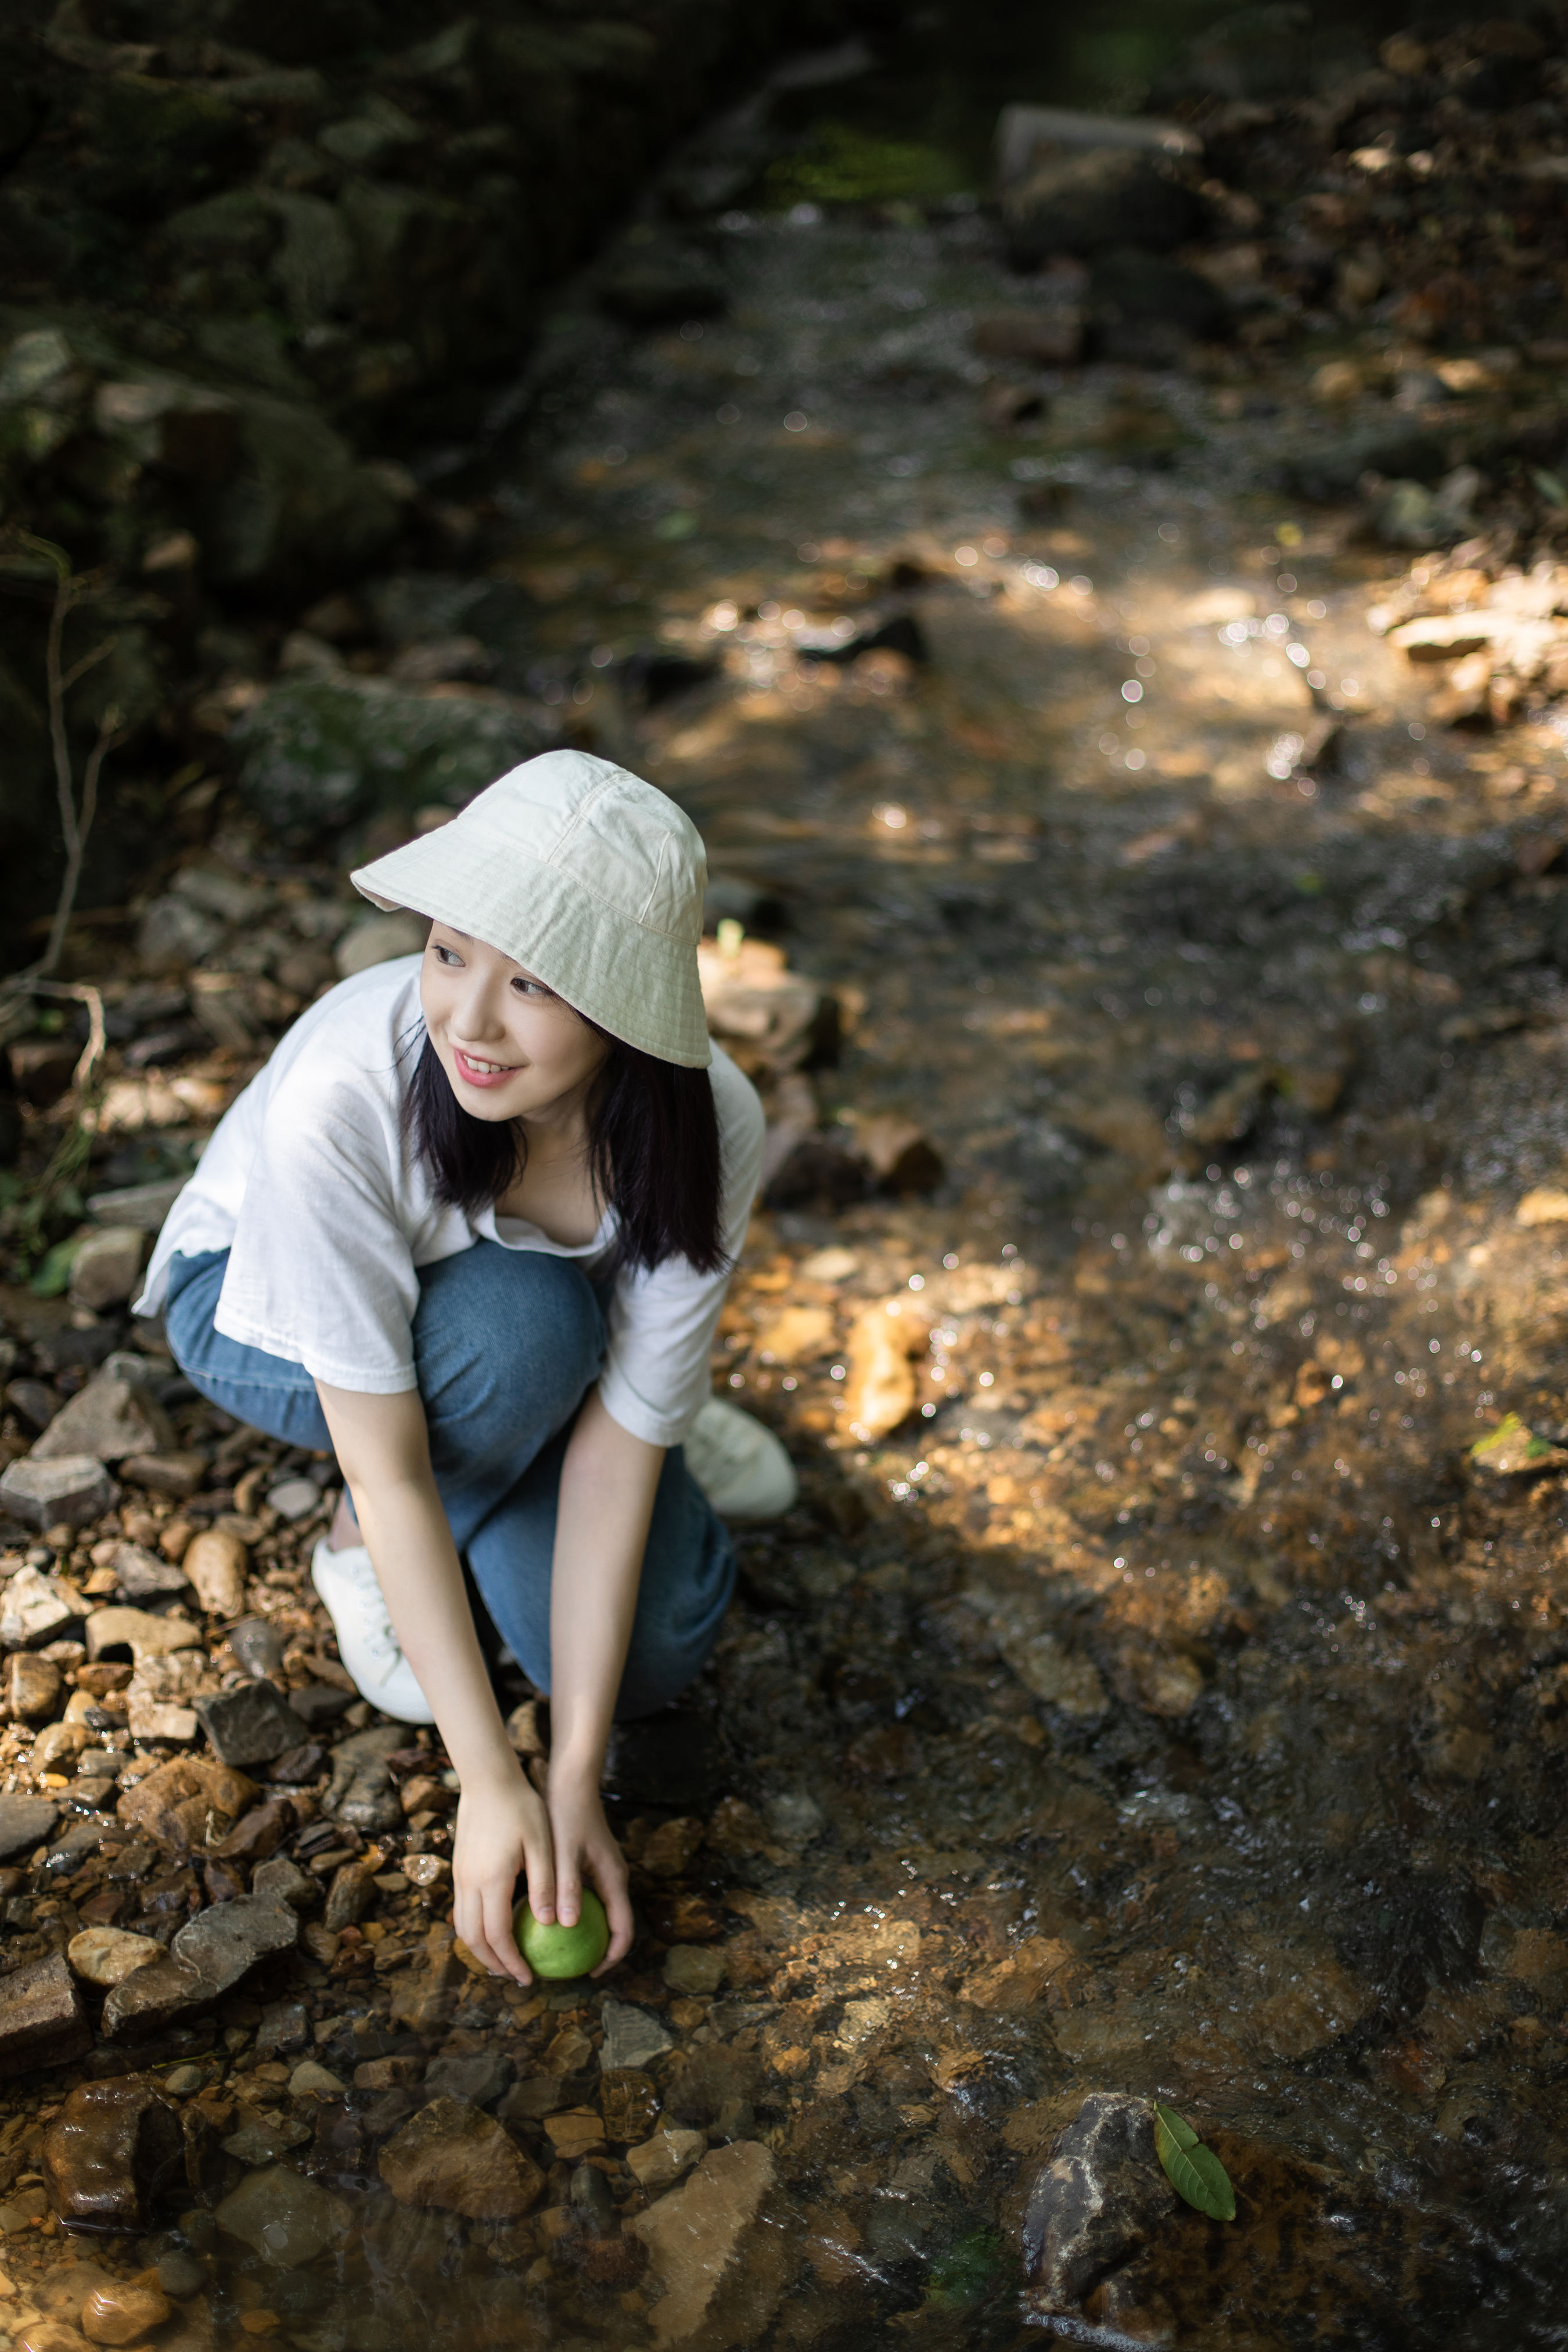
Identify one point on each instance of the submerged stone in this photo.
(107, 2152)
(280, 2216)
(454, 2155)
(42, 2021)
(720, 2250)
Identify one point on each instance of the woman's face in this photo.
(510, 1047)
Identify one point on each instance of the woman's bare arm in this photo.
(608, 1482)
(383, 1446)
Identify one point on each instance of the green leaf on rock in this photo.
(1194, 2171)
(1511, 1447)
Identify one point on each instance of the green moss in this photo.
(321, 753)
(839, 165)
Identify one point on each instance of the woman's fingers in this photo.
(608, 1872)
(541, 1869)
(503, 1959)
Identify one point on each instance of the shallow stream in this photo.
(1169, 1705)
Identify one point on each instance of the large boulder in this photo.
(298, 505)
(1089, 201)
(319, 751)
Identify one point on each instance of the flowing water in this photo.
(1169, 1705)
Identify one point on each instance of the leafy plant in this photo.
(1194, 2171)
(839, 165)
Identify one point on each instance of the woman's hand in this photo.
(503, 1832)
(584, 1850)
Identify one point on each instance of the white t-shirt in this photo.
(327, 1217)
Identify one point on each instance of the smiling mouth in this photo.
(470, 1065)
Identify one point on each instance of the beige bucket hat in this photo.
(588, 878)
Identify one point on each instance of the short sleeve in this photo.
(320, 1271)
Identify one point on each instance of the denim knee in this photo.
(506, 1343)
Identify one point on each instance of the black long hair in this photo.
(653, 1152)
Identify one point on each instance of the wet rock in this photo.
(264, 2139)
(175, 1474)
(319, 751)
(476, 2077)
(42, 2021)
(181, 2275)
(1100, 197)
(299, 1764)
(379, 939)
(33, 1686)
(114, 1415)
(282, 1881)
(257, 1833)
(694, 1969)
(455, 2156)
(361, 1794)
(143, 1576)
(68, 1491)
(347, 1897)
(665, 2158)
(256, 1648)
(1099, 2197)
(123, 2313)
(629, 2102)
(107, 2152)
(208, 1956)
(250, 1725)
(768, 1018)
(295, 1498)
(35, 1609)
(311, 2081)
(145, 1635)
(879, 1389)
(283, 2027)
(26, 1822)
(796, 1817)
(177, 1804)
(280, 2216)
(1042, 1661)
(575, 2132)
(632, 2036)
(107, 1268)
(107, 1955)
(720, 2250)
(60, 1744)
(215, 1562)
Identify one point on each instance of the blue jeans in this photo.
(507, 1343)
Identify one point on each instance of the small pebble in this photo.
(426, 1869)
(312, 2080)
(295, 1498)
(181, 2275)
(183, 2080)
(122, 2313)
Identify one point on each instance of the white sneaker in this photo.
(351, 1595)
(739, 1464)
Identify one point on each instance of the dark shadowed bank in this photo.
(250, 256)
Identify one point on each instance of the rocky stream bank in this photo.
(1107, 626)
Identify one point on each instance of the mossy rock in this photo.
(298, 508)
(155, 140)
(319, 753)
(241, 224)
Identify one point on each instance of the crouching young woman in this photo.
(470, 1228)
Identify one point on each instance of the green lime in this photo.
(557, 1952)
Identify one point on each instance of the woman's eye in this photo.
(447, 955)
(531, 988)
